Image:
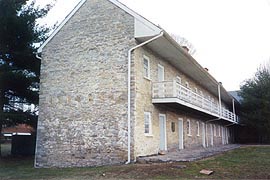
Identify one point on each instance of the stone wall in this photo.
(83, 94)
(147, 145)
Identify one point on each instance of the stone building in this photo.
(114, 87)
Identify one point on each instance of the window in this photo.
(147, 123)
(146, 67)
(187, 85)
(201, 93)
(173, 126)
(160, 73)
(198, 128)
(188, 128)
(219, 134)
(178, 80)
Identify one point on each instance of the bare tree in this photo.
(184, 42)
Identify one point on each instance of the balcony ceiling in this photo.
(170, 50)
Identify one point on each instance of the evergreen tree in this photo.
(256, 103)
(19, 67)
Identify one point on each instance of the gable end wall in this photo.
(83, 94)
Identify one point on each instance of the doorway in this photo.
(162, 132)
(181, 133)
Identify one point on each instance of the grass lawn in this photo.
(242, 163)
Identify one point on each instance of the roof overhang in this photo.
(171, 51)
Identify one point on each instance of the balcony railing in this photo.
(172, 89)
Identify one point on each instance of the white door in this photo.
(181, 133)
(162, 132)
(203, 135)
(206, 134)
(222, 135)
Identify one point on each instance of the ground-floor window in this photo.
(147, 123)
(198, 128)
(188, 128)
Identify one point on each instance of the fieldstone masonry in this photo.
(83, 97)
(83, 94)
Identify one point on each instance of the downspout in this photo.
(37, 56)
(129, 89)
(216, 119)
(35, 161)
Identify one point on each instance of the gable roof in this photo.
(144, 30)
(143, 27)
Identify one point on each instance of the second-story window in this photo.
(178, 79)
(160, 73)
(187, 85)
(146, 67)
(201, 93)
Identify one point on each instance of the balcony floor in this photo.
(183, 105)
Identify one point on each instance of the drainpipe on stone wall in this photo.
(129, 89)
(37, 56)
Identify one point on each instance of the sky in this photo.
(231, 37)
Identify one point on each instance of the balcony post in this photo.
(233, 110)
(219, 99)
(174, 89)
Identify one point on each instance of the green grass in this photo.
(242, 163)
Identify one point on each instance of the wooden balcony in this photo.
(173, 92)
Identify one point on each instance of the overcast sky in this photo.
(231, 37)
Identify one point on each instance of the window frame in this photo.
(163, 71)
(178, 79)
(189, 127)
(198, 128)
(148, 67)
(187, 85)
(149, 124)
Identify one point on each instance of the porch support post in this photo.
(219, 99)
(234, 116)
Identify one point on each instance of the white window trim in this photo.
(163, 69)
(189, 128)
(150, 124)
(187, 85)
(198, 128)
(178, 78)
(148, 73)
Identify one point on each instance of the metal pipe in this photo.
(129, 90)
(234, 116)
(37, 56)
(219, 99)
